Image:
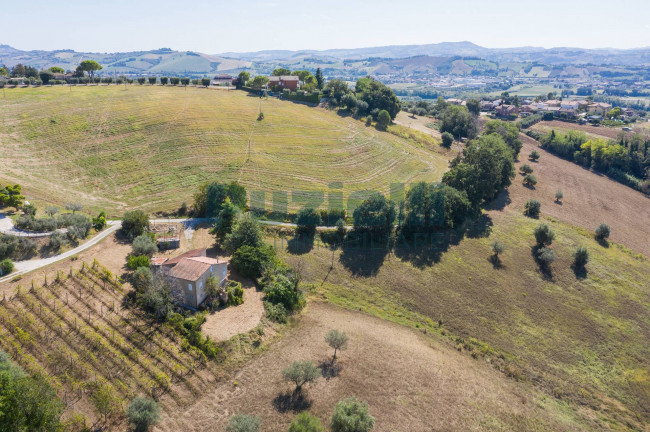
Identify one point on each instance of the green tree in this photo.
(602, 232)
(301, 373)
(304, 422)
(474, 106)
(281, 290)
(135, 262)
(185, 81)
(46, 76)
(580, 257)
(144, 245)
(352, 415)
(526, 169)
(532, 208)
(559, 195)
(6, 266)
(533, 155)
(51, 211)
(320, 81)
(507, 131)
(237, 194)
(134, 223)
(375, 214)
(74, 207)
(458, 121)
(447, 139)
(90, 66)
(544, 235)
(530, 180)
(174, 81)
(243, 423)
(246, 232)
(337, 340)
(485, 168)
(225, 220)
(26, 403)
(141, 80)
(142, 413)
(383, 120)
(152, 80)
(281, 72)
(337, 89)
(242, 79)
(12, 196)
(498, 248)
(260, 82)
(545, 256)
(164, 80)
(250, 261)
(378, 96)
(308, 219)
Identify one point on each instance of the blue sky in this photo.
(220, 26)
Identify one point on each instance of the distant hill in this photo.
(160, 61)
(441, 58)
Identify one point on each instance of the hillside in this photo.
(580, 338)
(117, 148)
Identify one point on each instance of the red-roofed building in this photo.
(187, 275)
(284, 82)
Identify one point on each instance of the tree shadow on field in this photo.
(300, 244)
(363, 254)
(580, 272)
(330, 369)
(496, 262)
(500, 202)
(292, 401)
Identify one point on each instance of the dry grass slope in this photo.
(148, 147)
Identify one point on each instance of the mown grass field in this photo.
(117, 148)
(582, 338)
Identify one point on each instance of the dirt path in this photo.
(226, 323)
(410, 382)
(589, 198)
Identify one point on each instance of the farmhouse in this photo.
(223, 80)
(599, 108)
(188, 273)
(285, 81)
(507, 110)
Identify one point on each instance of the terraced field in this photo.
(118, 148)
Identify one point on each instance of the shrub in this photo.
(283, 291)
(602, 232)
(530, 180)
(29, 210)
(143, 412)
(545, 256)
(580, 257)
(526, 169)
(142, 279)
(532, 208)
(351, 415)
(250, 261)
(447, 139)
(243, 423)
(304, 422)
(235, 293)
(6, 266)
(337, 340)
(137, 261)
(57, 240)
(144, 245)
(534, 155)
(301, 373)
(81, 224)
(245, 232)
(276, 312)
(383, 119)
(134, 223)
(559, 195)
(99, 223)
(544, 235)
(307, 220)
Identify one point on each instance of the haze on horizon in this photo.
(218, 26)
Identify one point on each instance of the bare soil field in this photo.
(417, 122)
(410, 382)
(589, 198)
(233, 320)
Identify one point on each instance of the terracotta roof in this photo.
(158, 261)
(189, 254)
(189, 269)
(206, 260)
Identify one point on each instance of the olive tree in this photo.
(74, 207)
(602, 232)
(544, 235)
(305, 422)
(559, 195)
(580, 257)
(142, 413)
(144, 245)
(301, 373)
(337, 340)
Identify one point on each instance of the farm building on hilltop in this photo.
(284, 82)
(188, 273)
